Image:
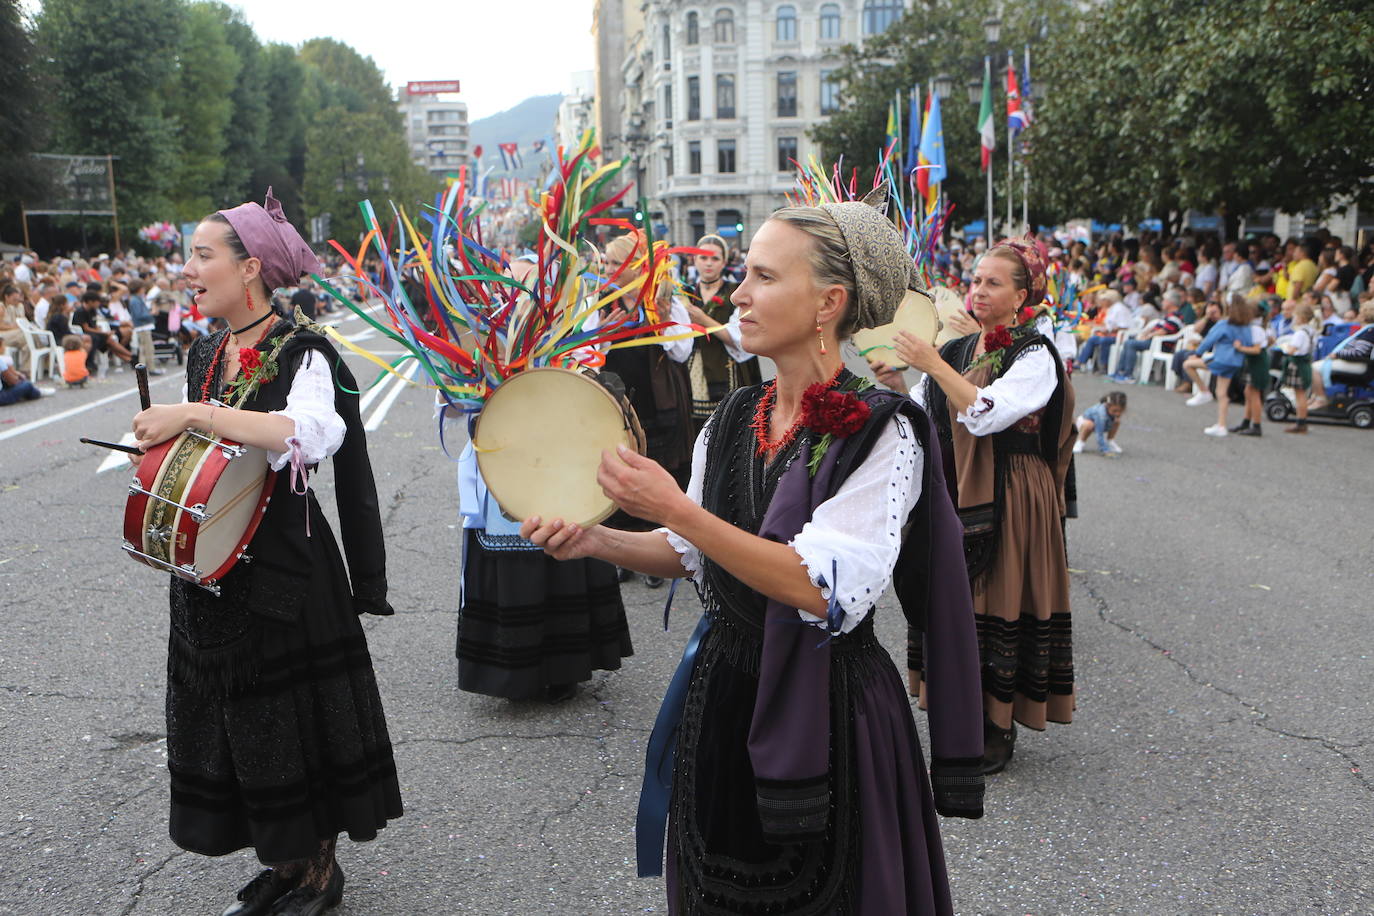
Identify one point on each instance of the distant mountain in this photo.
(533, 119)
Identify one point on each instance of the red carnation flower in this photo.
(250, 360)
(1027, 314)
(834, 413)
(717, 300)
(999, 339)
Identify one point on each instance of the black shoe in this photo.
(653, 581)
(306, 901)
(257, 896)
(1249, 431)
(998, 744)
(559, 693)
(1244, 425)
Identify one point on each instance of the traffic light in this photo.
(639, 216)
(739, 227)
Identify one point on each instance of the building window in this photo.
(696, 220)
(693, 29)
(668, 163)
(725, 156)
(725, 27)
(830, 21)
(694, 157)
(668, 104)
(787, 153)
(729, 223)
(879, 14)
(667, 43)
(787, 94)
(787, 23)
(725, 95)
(830, 92)
(694, 98)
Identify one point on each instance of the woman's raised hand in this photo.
(917, 353)
(962, 323)
(639, 485)
(890, 377)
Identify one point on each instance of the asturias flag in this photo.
(986, 134)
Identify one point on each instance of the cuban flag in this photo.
(538, 146)
(1017, 120)
(510, 156)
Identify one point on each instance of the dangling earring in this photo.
(820, 335)
(249, 293)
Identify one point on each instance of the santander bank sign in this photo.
(431, 87)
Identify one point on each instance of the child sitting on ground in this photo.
(74, 371)
(1103, 418)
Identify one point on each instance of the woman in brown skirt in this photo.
(1004, 409)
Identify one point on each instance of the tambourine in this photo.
(539, 440)
(916, 315)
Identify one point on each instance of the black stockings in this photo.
(313, 872)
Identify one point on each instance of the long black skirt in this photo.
(275, 733)
(529, 621)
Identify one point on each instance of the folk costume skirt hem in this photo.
(529, 622)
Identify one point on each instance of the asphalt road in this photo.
(1219, 762)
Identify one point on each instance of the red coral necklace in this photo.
(219, 353)
(763, 414)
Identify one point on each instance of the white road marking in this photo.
(378, 415)
(101, 402)
(117, 460)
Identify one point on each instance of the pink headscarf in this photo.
(268, 236)
(1032, 256)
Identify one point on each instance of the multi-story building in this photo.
(577, 111)
(718, 98)
(615, 25)
(436, 126)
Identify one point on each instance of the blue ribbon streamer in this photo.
(651, 823)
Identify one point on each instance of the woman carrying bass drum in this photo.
(276, 738)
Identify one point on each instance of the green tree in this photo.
(352, 115)
(113, 82)
(282, 165)
(209, 68)
(1154, 108)
(245, 140)
(21, 108)
(935, 37)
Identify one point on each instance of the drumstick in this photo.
(113, 446)
(144, 397)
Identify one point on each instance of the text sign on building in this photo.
(431, 87)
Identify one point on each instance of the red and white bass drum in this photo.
(195, 504)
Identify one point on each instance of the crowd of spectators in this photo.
(66, 320)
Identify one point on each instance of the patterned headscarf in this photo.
(1032, 257)
(883, 268)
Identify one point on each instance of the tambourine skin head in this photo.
(916, 315)
(539, 441)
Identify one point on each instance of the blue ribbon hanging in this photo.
(651, 823)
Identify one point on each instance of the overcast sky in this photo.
(502, 51)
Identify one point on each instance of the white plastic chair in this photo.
(41, 344)
(1157, 354)
(1137, 325)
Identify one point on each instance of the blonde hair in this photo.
(1367, 312)
(829, 258)
(623, 246)
(1303, 313)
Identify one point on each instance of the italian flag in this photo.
(986, 135)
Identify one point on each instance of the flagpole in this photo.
(987, 78)
(1025, 172)
(1011, 157)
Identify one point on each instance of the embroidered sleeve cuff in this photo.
(687, 553)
